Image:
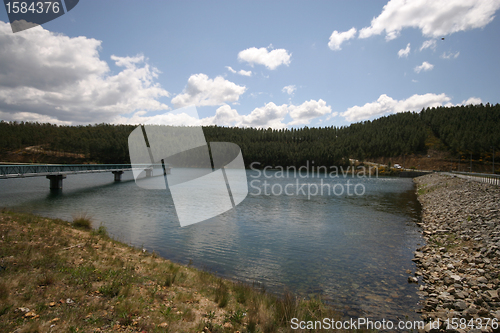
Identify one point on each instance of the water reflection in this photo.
(353, 250)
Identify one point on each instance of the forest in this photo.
(457, 131)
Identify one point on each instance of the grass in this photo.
(82, 221)
(74, 279)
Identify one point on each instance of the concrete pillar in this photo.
(118, 175)
(149, 172)
(56, 181)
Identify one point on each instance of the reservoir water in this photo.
(353, 250)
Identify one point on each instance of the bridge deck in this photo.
(38, 170)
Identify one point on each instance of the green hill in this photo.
(454, 131)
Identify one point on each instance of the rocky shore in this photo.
(458, 269)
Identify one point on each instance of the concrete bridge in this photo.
(57, 172)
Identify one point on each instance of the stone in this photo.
(412, 279)
(459, 282)
(493, 294)
(482, 312)
(470, 313)
(482, 279)
(460, 305)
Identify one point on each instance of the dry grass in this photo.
(82, 221)
(76, 280)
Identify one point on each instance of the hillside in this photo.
(435, 137)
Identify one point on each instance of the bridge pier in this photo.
(56, 181)
(149, 172)
(118, 175)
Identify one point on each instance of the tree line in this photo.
(458, 130)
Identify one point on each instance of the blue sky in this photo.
(256, 63)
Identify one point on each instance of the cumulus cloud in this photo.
(55, 78)
(431, 43)
(289, 89)
(240, 72)
(337, 38)
(33, 117)
(270, 115)
(450, 55)
(201, 90)
(387, 105)
(435, 18)
(472, 100)
(270, 59)
(302, 114)
(404, 52)
(224, 116)
(172, 119)
(424, 67)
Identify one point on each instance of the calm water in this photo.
(353, 250)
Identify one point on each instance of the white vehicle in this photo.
(397, 166)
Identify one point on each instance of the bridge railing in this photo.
(33, 170)
(487, 178)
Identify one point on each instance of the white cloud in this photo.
(404, 52)
(201, 90)
(224, 116)
(435, 18)
(302, 114)
(289, 89)
(450, 55)
(33, 117)
(52, 77)
(431, 43)
(240, 72)
(386, 105)
(245, 73)
(262, 56)
(337, 38)
(424, 67)
(180, 119)
(270, 115)
(472, 100)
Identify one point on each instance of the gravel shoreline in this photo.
(458, 270)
